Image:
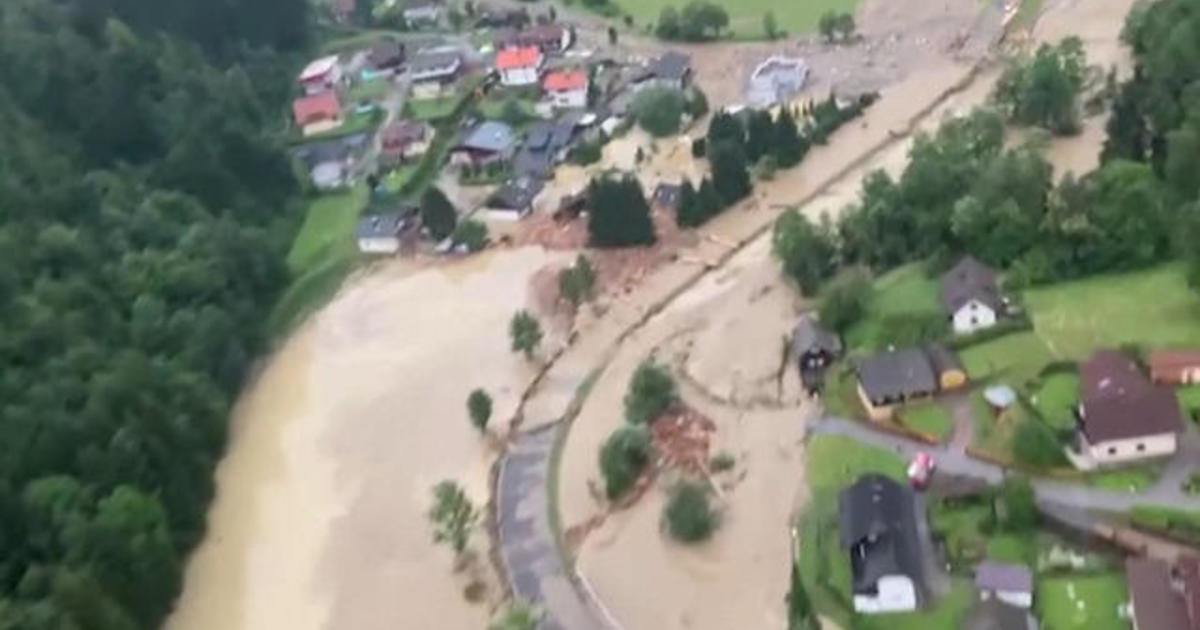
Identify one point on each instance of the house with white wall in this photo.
(566, 88)
(321, 75)
(971, 296)
(877, 523)
(519, 66)
(380, 233)
(1010, 583)
(1122, 417)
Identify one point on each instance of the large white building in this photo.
(519, 66)
(776, 80)
(971, 296)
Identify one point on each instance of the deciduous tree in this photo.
(453, 516)
(479, 409)
(525, 333)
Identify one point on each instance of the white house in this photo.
(776, 80)
(566, 88)
(380, 233)
(1122, 416)
(321, 75)
(877, 522)
(971, 296)
(1010, 583)
(435, 64)
(519, 66)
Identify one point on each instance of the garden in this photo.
(746, 18)
(1082, 602)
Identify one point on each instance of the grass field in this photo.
(1133, 479)
(322, 255)
(432, 108)
(1152, 308)
(903, 290)
(746, 16)
(835, 461)
(1083, 602)
(1011, 359)
(1014, 548)
(1189, 397)
(1056, 399)
(928, 417)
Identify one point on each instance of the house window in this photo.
(974, 320)
(1141, 447)
(1112, 450)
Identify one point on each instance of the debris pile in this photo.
(682, 438)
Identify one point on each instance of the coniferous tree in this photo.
(618, 215)
(729, 173)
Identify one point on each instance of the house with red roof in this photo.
(317, 113)
(519, 66)
(566, 88)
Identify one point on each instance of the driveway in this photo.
(1166, 491)
(527, 543)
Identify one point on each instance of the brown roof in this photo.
(1174, 359)
(321, 106)
(1159, 603)
(1120, 403)
(402, 132)
(541, 35)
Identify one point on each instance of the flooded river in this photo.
(319, 520)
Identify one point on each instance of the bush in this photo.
(586, 153)
(624, 454)
(913, 329)
(699, 147)
(651, 392)
(1020, 509)
(845, 299)
(577, 282)
(471, 233)
(1035, 445)
(806, 251)
(688, 515)
(659, 110)
(722, 462)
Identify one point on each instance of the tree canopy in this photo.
(1043, 90)
(699, 21)
(618, 215)
(660, 110)
(145, 203)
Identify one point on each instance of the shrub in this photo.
(651, 392)
(1020, 509)
(688, 515)
(471, 233)
(845, 299)
(1034, 444)
(722, 461)
(622, 457)
(659, 110)
(479, 408)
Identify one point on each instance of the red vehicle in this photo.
(920, 470)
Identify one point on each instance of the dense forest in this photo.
(144, 206)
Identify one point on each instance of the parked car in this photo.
(920, 470)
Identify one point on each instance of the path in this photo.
(1073, 494)
(535, 567)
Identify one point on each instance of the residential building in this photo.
(385, 58)
(776, 80)
(317, 113)
(671, 70)
(321, 75)
(1161, 598)
(403, 140)
(1009, 583)
(489, 141)
(380, 233)
(440, 64)
(814, 348)
(946, 367)
(566, 88)
(891, 378)
(1122, 416)
(519, 66)
(549, 38)
(514, 200)
(994, 614)
(1175, 367)
(971, 296)
(546, 145)
(877, 522)
(420, 13)
(328, 175)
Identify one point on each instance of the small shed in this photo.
(1010, 583)
(947, 367)
(1000, 397)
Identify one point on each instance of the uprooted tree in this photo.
(453, 516)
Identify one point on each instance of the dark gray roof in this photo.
(431, 60)
(386, 53)
(878, 528)
(336, 150)
(994, 614)
(489, 135)
(541, 148)
(998, 576)
(896, 373)
(969, 280)
(516, 194)
(672, 66)
(380, 225)
(810, 336)
(942, 359)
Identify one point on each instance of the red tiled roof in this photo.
(512, 58)
(569, 80)
(307, 109)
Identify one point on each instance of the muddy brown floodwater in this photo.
(319, 519)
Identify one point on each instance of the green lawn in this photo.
(841, 392)
(904, 290)
(367, 91)
(1056, 399)
(947, 614)
(432, 108)
(962, 529)
(1152, 308)
(834, 461)
(1011, 359)
(746, 16)
(1013, 548)
(1082, 602)
(322, 255)
(928, 417)
(1134, 479)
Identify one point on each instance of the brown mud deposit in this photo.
(319, 522)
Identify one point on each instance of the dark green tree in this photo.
(524, 333)
(479, 408)
(708, 200)
(618, 214)
(844, 301)
(689, 516)
(759, 131)
(651, 393)
(786, 144)
(1019, 504)
(622, 458)
(437, 214)
(659, 110)
(688, 212)
(730, 176)
(800, 612)
(807, 252)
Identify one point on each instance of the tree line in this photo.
(145, 202)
